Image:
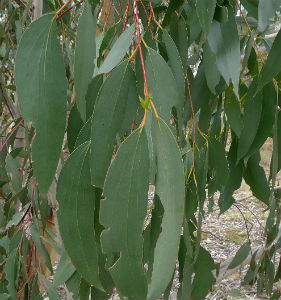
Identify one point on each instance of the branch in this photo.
(8, 102)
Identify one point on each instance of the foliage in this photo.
(99, 101)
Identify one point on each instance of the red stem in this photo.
(67, 10)
(126, 14)
(121, 9)
(136, 11)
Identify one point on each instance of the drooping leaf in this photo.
(84, 134)
(210, 67)
(35, 233)
(108, 117)
(118, 50)
(41, 91)
(224, 42)
(252, 115)
(72, 285)
(17, 217)
(199, 90)
(204, 277)
(233, 181)
(85, 53)
(175, 64)
(64, 271)
(123, 213)
(255, 177)
(267, 119)
(205, 11)
(161, 84)
(76, 199)
(11, 270)
(273, 63)
(266, 10)
(170, 189)
(75, 124)
(233, 113)
(92, 94)
(218, 162)
(240, 256)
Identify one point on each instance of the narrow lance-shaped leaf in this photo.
(123, 213)
(118, 50)
(42, 94)
(170, 189)
(85, 53)
(273, 63)
(224, 42)
(108, 117)
(11, 270)
(76, 197)
(161, 84)
(252, 115)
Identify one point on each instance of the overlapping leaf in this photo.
(118, 50)
(123, 213)
(41, 86)
(170, 189)
(224, 42)
(107, 121)
(161, 84)
(85, 53)
(76, 199)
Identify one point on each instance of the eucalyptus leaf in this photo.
(41, 91)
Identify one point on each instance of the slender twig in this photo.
(126, 14)
(153, 15)
(63, 7)
(67, 10)
(250, 30)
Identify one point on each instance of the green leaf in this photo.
(233, 113)
(176, 66)
(252, 115)
(118, 50)
(218, 162)
(273, 63)
(170, 189)
(240, 256)
(204, 277)
(108, 117)
(266, 10)
(205, 11)
(85, 53)
(255, 177)
(11, 270)
(35, 233)
(84, 134)
(84, 289)
(64, 271)
(92, 94)
(12, 168)
(42, 94)
(266, 120)
(224, 42)
(123, 213)
(76, 199)
(72, 285)
(210, 67)
(233, 181)
(74, 126)
(161, 84)
(17, 217)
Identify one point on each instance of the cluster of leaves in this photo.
(121, 95)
